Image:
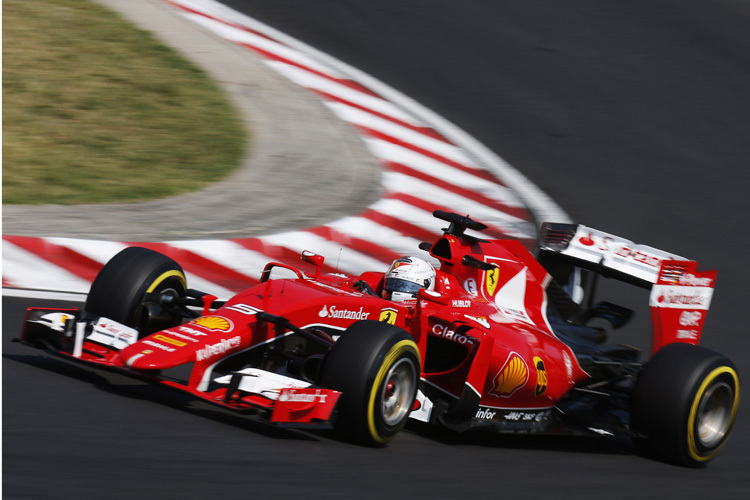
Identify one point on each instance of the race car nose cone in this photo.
(150, 355)
(141, 361)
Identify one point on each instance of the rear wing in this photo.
(680, 294)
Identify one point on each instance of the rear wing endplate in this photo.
(680, 294)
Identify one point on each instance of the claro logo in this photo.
(448, 333)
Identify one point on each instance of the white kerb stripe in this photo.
(241, 36)
(313, 81)
(368, 120)
(365, 229)
(337, 255)
(26, 270)
(99, 251)
(394, 153)
(408, 213)
(399, 183)
(198, 283)
(228, 254)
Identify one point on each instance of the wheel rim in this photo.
(714, 413)
(397, 391)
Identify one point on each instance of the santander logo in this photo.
(333, 312)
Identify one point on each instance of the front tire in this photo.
(685, 403)
(376, 367)
(118, 291)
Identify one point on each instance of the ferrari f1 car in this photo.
(502, 340)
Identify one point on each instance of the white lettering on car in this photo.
(219, 348)
(332, 312)
(447, 333)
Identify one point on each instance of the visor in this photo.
(399, 285)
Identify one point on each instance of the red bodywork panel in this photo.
(492, 322)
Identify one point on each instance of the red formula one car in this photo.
(496, 339)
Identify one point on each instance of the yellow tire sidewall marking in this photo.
(692, 446)
(393, 354)
(165, 276)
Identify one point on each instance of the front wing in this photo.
(73, 336)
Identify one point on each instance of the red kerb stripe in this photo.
(60, 256)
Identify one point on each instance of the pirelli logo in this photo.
(169, 340)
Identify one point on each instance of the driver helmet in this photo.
(406, 276)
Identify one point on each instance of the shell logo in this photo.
(214, 323)
(513, 375)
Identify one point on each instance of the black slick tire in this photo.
(118, 291)
(684, 404)
(376, 366)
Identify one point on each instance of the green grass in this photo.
(97, 111)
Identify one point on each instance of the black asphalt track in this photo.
(634, 116)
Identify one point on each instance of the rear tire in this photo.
(376, 367)
(118, 291)
(685, 403)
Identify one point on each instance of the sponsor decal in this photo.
(333, 312)
(243, 309)
(447, 332)
(587, 240)
(388, 315)
(158, 346)
(490, 280)
(687, 334)
(527, 416)
(619, 248)
(541, 376)
(689, 279)
(509, 415)
(218, 348)
(485, 413)
(681, 297)
(189, 330)
(568, 365)
(298, 405)
(516, 314)
(481, 320)
(513, 375)
(302, 396)
(214, 323)
(168, 340)
(643, 258)
(460, 303)
(117, 330)
(470, 285)
(181, 336)
(690, 318)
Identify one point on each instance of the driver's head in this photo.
(406, 276)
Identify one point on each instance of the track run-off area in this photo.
(427, 164)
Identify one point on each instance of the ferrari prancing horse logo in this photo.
(389, 315)
(490, 280)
